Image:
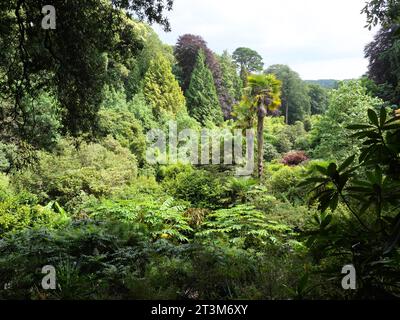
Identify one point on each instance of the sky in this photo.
(319, 39)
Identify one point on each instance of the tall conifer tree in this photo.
(202, 96)
(161, 89)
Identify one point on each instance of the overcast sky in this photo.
(320, 39)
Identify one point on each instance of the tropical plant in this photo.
(370, 192)
(261, 96)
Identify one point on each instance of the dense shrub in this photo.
(283, 143)
(242, 226)
(21, 211)
(4, 187)
(285, 137)
(270, 152)
(201, 188)
(347, 105)
(125, 128)
(282, 181)
(143, 112)
(94, 169)
(162, 218)
(170, 172)
(117, 261)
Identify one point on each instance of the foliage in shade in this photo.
(370, 191)
(70, 62)
(384, 66)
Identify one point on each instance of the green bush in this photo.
(143, 112)
(283, 182)
(117, 261)
(283, 143)
(22, 211)
(91, 168)
(243, 227)
(170, 172)
(203, 189)
(270, 152)
(162, 216)
(4, 187)
(125, 128)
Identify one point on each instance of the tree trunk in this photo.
(287, 112)
(260, 144)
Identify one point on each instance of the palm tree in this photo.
(261, 95)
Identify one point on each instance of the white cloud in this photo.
(318, 38)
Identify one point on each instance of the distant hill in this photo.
(326, 83)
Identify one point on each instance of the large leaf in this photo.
(347, 163)
(373, 117)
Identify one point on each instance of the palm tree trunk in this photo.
(260, 144)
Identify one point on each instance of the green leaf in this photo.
(359, 126)
(334, 202)
(311, 181)
(321, 169)
(394, 239)
(373, 117)
(392, 126)
(365, 153)
(373, 135)
(332, 169)
(347, 163)
(303, 283)
(363, 134)
(360, 189)
(383, 116)
(397, 118)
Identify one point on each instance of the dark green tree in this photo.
(384, 12)
(71, 61)
(248, 61)
(319, 98)
(384, 65)
(295, 100)
(230, 79)
(186, 51)
(202, 96)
